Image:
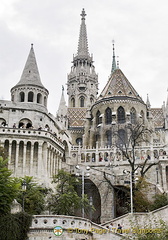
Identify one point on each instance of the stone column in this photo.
(164, 178)
(40, 166)
(31, 169)
(48, 162)
(24, 159)
(17, 156)
(10, 153)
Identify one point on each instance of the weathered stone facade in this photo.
(38, 143)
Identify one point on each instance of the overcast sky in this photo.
(139, 28)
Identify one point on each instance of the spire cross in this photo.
(83, 14)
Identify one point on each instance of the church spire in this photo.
(114, 60)
(62, 110)
(148, 102)
(83, 42)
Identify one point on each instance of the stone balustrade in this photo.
(42, 228)
(22, 132)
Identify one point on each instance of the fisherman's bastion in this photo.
(79, 138)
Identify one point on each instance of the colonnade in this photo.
(33, 158)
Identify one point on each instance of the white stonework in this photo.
(39, 144)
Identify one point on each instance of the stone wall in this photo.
(74, 228)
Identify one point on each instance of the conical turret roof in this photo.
(30, 75)
(118, 86)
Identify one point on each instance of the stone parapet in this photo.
(42, 228)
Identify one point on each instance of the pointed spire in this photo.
(83, 43)
(30, 75)
(62, 110)
(114, 60)
(148, 102)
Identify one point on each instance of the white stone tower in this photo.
(30, 88)
(82, 86)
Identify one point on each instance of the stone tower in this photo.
(30, 88)
(82, 85)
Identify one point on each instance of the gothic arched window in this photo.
(82, 101)
(121, 115)
(108, 116)
(122, 139)
(98, 117)
(109, 138)
(133, 115)
(73, 102)
(142, 116)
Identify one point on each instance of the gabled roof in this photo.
(30, 75)
(119, 86)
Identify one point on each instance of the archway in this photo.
(92, 192)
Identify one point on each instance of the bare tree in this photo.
(135, 136)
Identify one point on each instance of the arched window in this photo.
(122, 139)
(73, 102)
(91, 100)
(79, 141)
(121, 115)
(45, 101)
(30, 96)
(142, 116)
(109, 138)
(108, 116)
(39, 98)
(98, 119)
(82, 101)
(22, 96)
(133, 115)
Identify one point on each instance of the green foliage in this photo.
(14, 226)
(160, 232)
(160, 200)
(8, 187)
(34, 196)
(141, 202)
(66, 200)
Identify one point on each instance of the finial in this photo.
(32, 45)
(83, 14)
(117, 62)
(114, 61)
(62, 88)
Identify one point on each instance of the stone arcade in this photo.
(39, 144)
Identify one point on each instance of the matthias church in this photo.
(80, 138)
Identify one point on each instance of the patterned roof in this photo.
(76, 117)
(117, 86)
(158, 118)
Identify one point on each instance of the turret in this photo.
(30, 88)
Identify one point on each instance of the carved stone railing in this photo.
(31, 133)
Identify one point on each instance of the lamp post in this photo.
(83, 183)
(24, 186)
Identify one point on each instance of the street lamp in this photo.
(24, 186)
(83, 183)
